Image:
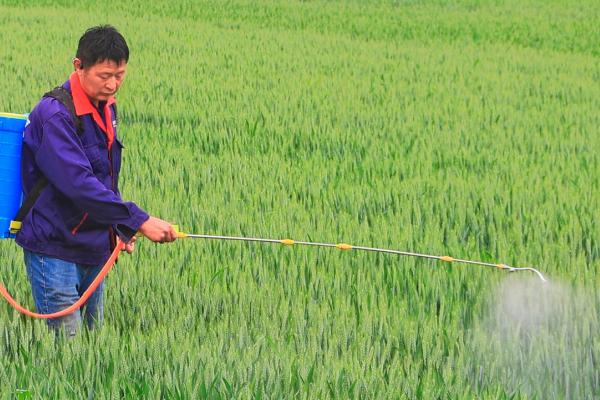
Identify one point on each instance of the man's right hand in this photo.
(158, 230)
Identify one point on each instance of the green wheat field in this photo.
(466, 128)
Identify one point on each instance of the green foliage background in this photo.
(466, 128)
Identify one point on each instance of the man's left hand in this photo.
(130, 246)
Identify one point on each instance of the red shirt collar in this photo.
(83, 106)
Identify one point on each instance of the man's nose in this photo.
(111, 84)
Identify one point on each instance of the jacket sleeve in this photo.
(65, 164)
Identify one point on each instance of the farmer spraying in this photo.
(73, 211)
(72, 222)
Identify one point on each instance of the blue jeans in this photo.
(57, 284)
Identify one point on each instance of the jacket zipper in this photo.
(111, 233)
(112, 237)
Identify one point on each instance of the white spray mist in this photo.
(539, 339)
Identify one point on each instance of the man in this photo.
(71, 229)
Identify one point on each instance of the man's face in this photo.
(101, 80)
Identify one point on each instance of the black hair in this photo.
(101, 43)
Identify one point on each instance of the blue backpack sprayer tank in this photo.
(11, 141)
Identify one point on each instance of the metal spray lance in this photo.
(345, 246)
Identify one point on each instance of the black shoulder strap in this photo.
(30, 200)
(64, 96)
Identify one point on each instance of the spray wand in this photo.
(345, 246)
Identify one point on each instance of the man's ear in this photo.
(78, 67)
(77, 64)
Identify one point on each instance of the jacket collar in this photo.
(84, 106)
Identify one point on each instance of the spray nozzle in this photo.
(535, 271)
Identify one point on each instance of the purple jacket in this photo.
(79, 212)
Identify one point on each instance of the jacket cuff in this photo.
(128, 229)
